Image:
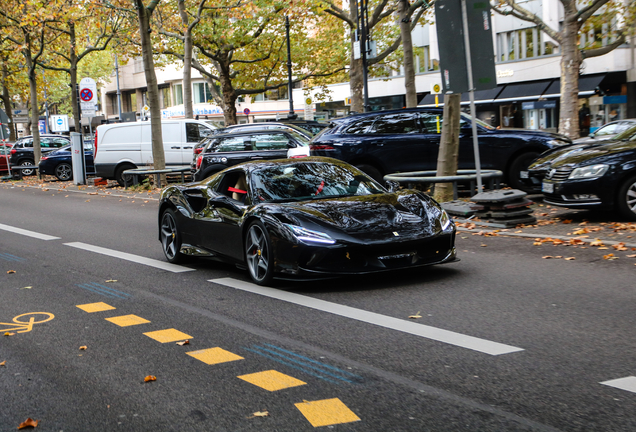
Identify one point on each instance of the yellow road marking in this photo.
(271, 380)
(95, 307)
(26, 326)
(326, 412)
(127, 320)
(168, 335)
(214, 355)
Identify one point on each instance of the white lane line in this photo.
(130, 257)
(627, 383)
(27, 233)
(440, 335)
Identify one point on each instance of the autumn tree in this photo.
(383, 29)
(577, 16)
(241, 47)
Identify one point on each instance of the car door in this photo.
(218, 225)
(396, 141)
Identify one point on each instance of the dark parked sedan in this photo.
(225, 150)
(385, 142)
(597, 175)
(308, 217)
(59, 162)
(22, 151)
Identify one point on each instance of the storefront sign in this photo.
(550, 104)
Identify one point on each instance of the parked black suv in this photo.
(225, 150)
(406, 140)
(22, 151)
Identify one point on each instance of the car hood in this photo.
(380, 216)
(580, 153)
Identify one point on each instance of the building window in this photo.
(165, 97)
(423, 61)
(133, 101)
(177, 92)
(201, 93)
(272, 95)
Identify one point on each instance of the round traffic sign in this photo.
(246, 111)
(86, 95)
(60, 121)
(437, 88)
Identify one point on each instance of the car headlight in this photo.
(309, 236)
(589, 172)
(558, 142)
(445, 220)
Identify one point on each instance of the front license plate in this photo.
(523, 174)
(547, 187)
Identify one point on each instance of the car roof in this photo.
(358, 116)
(252, 131)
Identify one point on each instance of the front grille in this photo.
(559, 174)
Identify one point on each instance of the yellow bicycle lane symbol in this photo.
(26, 326)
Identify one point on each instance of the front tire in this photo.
(121, 179)
(627, 198)
(27, 172)
(64, 172)
(171, 237)
(258, 254)
(521, 163)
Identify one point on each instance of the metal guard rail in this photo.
(492, 176)
(136, 172)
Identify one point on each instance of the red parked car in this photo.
(5, 152)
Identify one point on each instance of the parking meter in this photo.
(77, 159)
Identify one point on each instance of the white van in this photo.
(122, 146)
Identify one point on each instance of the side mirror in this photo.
(591, 135)
(392, 185)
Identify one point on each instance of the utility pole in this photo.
(118, 90)
(362, 17)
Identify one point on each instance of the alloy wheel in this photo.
(257, 254)
(169, 236)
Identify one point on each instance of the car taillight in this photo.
(95, 146)
(13, 151)
(199, 160)
(198, 150)
(44, 158)
(320, 147)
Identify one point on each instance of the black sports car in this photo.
(309, 217)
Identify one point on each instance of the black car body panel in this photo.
(368, 233)
(408, 140)
(554, 169)
(22, 151)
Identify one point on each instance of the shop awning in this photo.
(587, 86)
(523, 91)
(481, 96)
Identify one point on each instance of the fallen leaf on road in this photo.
(597, 242)
(87, 200)
(8, 334)
(567, 221)
(29, 422)
(92, 193)
(416, 316)
(570, 258)
(631, 256)
(3, 363)
(620, 247)
(29, 287)
(150, 378)
(10, 271)
(610, 257)
(83, 347)
(483, 245)
(538, 243)
(547, 257)
(259, 414)
(111, 280)
(603, 248)
(182, 343)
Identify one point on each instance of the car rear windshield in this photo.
(310, 180)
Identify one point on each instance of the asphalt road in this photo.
(506, 340)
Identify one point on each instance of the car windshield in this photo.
(627, 135)
(309, 180)
(302, 139)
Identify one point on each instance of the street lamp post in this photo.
(363, 26)
(118, 90)
(291, 114)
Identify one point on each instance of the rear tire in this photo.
(521, 163)
(27, 172)
(626, 201)
(372, 172)
(171, 237)
(64, 172)
(258, 254)
(119, 176)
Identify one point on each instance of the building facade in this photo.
(527, 95)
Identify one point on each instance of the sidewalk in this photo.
(554, 225)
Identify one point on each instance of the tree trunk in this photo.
(158, 154)
(407, 46)
(33, 89)
(449, 146)
(6, 99)
(187, 63)
(73, 76)
(571, 60)
(227, 91)
(356, 78)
